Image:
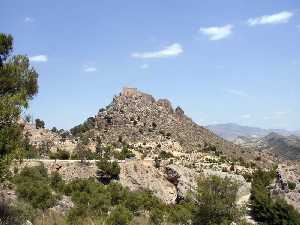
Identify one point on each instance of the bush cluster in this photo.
(34, 186)
(107, 170)
(111, 203)
(291, 185)
(60, 154)
(125, 153)
(269, 210)
(165, 155)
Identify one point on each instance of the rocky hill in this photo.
(138, 119)
(44, 140)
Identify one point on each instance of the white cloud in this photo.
(144, 66)
(217, 33)
(89, 69)
(237, 92)
(281, 17)
(38, 58)
(246, 116)
(169, 51)
(28, 20)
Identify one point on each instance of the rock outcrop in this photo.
(184, 179)
(288, 173)
(139, 175)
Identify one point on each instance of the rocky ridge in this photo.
(151, 126)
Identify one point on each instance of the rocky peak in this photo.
(166, 104)
(179, 112)
(137, 118)
(128, 92)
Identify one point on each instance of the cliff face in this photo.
(137, 118)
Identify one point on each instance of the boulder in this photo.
(142, 175)
(183, 178)
(166, 104)
(179, 112)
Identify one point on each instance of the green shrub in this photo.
(141, 200)
(120, 216)
(90, 198)
(60, 154)
(126, 153)
(264, 208)
(37, 193)
(37, 173)
(156, 216)
(216, 201)
(291, 185)
(181, 213)
(165, 155)
(108, 170)
(24, 209)
(118, 194)
(56, 182)
(32, 185)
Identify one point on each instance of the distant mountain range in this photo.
(231, 131)
(286, 147)
(283, 143)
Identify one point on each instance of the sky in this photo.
(221, 61)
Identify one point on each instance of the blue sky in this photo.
(221, 61)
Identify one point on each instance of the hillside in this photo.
(231, 131)
(285, 147)
(137, 118)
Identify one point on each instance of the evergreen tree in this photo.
(18, 84)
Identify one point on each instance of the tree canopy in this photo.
(18, 84)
